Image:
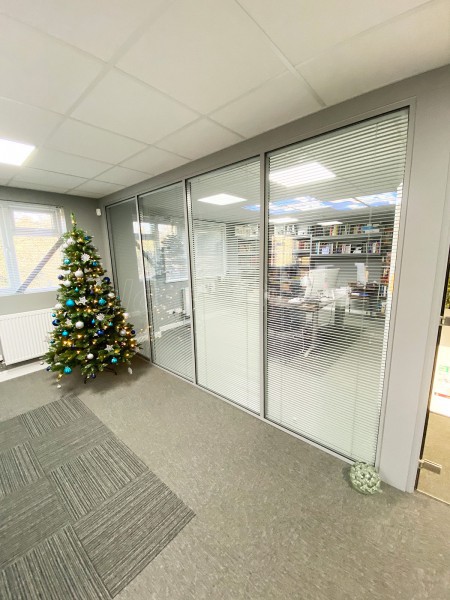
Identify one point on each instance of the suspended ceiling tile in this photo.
(154, 161)
(261, 110)
(36, 186)
(97, 187)
(75, 192)
(199, 139)
(60, 162)
(122, 176)
(383, 56)
(204, 53)
(99, 27)
(24, 123)
(85, 140)
(304, 29)
(29, 175)
(8, 171)
(39, 70)
(129, 107)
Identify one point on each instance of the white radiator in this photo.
(24, 336)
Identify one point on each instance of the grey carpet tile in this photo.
(27, 517)
(56, 569)
(127, 531)
(65, 443)
(18, 467)
(12, 432)
(94, 476)
(55, 414)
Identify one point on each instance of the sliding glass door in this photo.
(126, 254)
(225, 212)
(334, 204)
(165, 251)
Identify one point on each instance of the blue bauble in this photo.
(52, 342)
(65, 333)
(67, 261)
(55, 322)
(133, 332)
(53, 314)
(48, 368)
(77, 290)
(70, 302)
(87, 237)
(93, 376)
(94, 263)
(67, 370)
(60, 276)
(102, 301)
(110, 323)
(114, 360)
(91, 293)
(100, 332)
(106, 279)
(93, 321)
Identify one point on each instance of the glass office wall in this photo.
(165, 250)
(124, 237)
(225, 212)
(334, 205)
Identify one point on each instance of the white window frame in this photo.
(8, 230)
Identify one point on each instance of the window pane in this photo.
(334, 208)
(30, 248)
(164, 238)
(226, 278)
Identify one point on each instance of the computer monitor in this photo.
(322, 282)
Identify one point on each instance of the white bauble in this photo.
(90, 356)
(67, 283)
(65, 245)
(111, 295)
(123, 332)
(130, 370)
(58, 386)
(125, 315)
(69, 241)
(58, 306)
(79, 324)
(79, 273)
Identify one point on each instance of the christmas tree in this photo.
(90, 326)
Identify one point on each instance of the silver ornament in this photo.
(123, 332)
(79, 273)
(125, 315)
(90, 356)
(67, 283)
(58, 306)
(79, 324)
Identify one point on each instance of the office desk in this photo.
(305, 306)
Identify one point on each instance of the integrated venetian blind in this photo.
(127, 266)
(334, 206)
(165, 250)
(225, 212)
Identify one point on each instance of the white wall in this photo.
(424, 245)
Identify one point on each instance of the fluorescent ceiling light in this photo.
(301, 174)
(283, 220)
(222, 199)
(14, 153)
(330, 223)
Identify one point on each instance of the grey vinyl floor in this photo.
(275, 517)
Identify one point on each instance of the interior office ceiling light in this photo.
(324, 223)
(14, 153)
(222, 199)
(283, 220)
(301, 174)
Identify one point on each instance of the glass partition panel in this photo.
(334, 206)
(165, 250)
(225, 214)
(127, 266)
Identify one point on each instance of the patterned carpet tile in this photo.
(94, 476)
(27, 517)
(64, 444)
(12, 433)
(56, 414)
(127, 531)
(18, 467)
(56, 569)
